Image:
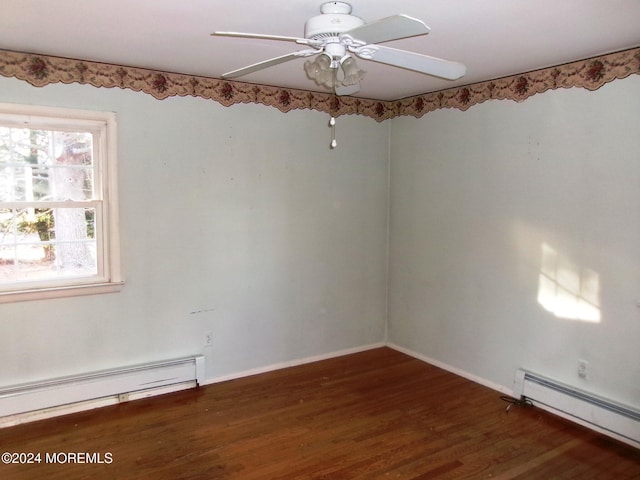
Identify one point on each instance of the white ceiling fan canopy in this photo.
(335, 7)
(335, 19)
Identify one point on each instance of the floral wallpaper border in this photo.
(41, 70)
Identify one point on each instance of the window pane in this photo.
(45, 165)
(7, 183)
(74, 239)
(40, 244)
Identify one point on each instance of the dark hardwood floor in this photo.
(378, 414)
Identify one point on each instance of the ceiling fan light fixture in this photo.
(321, 71)
(317, 66)
(331, 73)
(352, 73)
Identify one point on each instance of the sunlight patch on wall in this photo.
(567, 290)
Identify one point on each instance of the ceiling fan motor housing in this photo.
(336, 18)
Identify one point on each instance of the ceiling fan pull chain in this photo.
(332, 124)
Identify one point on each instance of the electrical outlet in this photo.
(583, 368)
(208, 339)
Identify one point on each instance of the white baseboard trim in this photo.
(291, 363)
(461, 373)
(81, 406)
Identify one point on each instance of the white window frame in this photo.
(103, 127)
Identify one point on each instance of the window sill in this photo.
(59, 292)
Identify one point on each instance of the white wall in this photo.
(241, 221)
(236, 220)
(476, 194)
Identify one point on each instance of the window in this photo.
(58, 203)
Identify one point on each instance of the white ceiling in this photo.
(494, 38)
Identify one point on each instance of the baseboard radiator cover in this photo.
(616, 420)
(98, 388)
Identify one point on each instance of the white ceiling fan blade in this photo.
(269, 63)
(390, 28)
(262, 36)
(412, 61)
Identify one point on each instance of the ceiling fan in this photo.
(336, 34)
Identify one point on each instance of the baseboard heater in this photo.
(36, 400)
(611, 418)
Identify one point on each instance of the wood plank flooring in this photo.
(378, 414)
